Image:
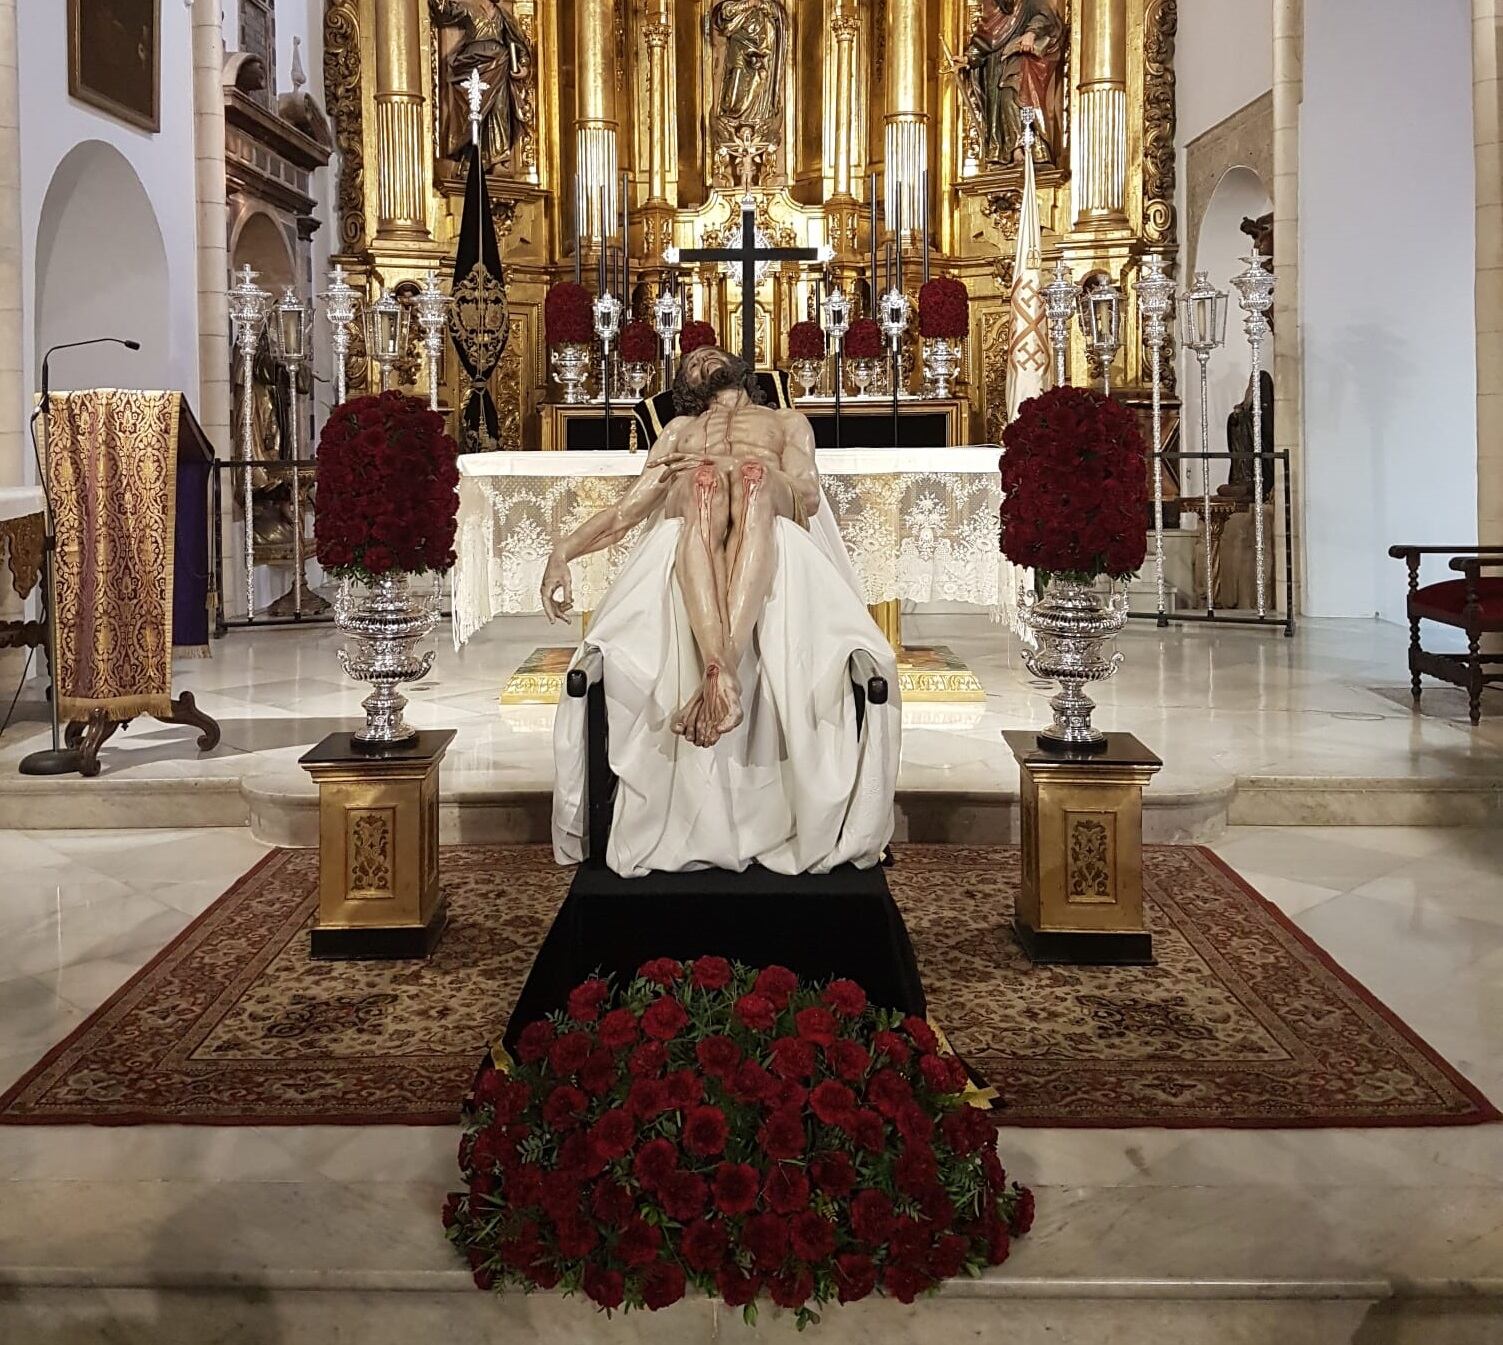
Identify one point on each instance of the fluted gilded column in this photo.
(1101, 116)
(401, 200)
(909, 72)
(657, 210)
(842, 209)
(12, 384)
(595, 122)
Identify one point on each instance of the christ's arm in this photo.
(798, 461)
(645, 495)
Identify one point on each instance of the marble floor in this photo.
(1252, 728)
(276, 1235)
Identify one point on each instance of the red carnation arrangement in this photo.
(719, 1130)
(806, 341)
(639, 343)
(386, 480)
(695, 334)
(863, 340)
(568, 315)
(944, 310)
(1075, 487)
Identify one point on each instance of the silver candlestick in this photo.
(1156, 307)
(248, 308)
(1060, 295)
(1255, 288)
(667, 322)
(291, 320)
(341, 308)
(1203, 330)
(432, 306)
(1101, 321)
(607, 310)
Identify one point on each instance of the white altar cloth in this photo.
(18, 501)
(920, 524)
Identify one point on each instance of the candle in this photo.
(872, 290)
(578, 211)
(626, 242)
(924, 218)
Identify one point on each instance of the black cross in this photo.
(749, 254)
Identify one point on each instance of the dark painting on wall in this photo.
(114, 58)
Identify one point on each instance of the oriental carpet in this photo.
(1243, 1022)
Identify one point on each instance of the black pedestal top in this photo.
(1122, 749)
(340, 749)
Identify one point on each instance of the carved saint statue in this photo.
(484, 35)
(1013, 61)
(751, 38)
(726, 641)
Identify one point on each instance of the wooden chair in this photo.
(1472, 604)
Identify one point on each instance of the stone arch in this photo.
(101, 270)
(260, 243)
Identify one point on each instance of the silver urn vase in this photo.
(571, 366)
(1069, 626)
(808, 373)
(383, 627)
(635, 375)
(862, 373)
(941, 364)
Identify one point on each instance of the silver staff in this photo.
(432, 306)
(1060, 295)
(1156, 306)
(1255, 286)
(1203, 331)
(291, 319)
(248, 306)
(342, 308)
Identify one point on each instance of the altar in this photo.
(920, 526)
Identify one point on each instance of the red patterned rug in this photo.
(1243, 1021)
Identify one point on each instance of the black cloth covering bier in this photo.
(819, 926)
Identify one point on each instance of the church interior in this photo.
(997, 502)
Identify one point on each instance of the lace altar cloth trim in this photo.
(920, 525)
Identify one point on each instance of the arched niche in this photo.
(260, 244)
(101, 270)
(1219, 246)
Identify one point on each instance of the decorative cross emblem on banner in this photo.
(748, 255)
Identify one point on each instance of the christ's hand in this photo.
(558, 588)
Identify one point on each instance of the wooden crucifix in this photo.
(749, 254)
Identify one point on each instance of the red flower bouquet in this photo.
(386, 479)
(733, 1133)
(863, 340)
(568, 315)
(944, 310)
(696, 334)
(1075, 486)
(639, 343)
(806, 341)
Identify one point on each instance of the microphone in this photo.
(75, 345)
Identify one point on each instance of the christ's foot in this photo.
(712, 711)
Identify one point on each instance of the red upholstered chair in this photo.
(1473, 604)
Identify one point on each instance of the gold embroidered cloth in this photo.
(21, 535)
(112, 461)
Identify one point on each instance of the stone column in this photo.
(1288, 348)
(1487, 111)
(1101, 125)
(401, 202)
(595, 122)
(13, 412)
(909, 71)
(214, 391)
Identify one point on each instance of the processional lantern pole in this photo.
(341, 307)
(837, 323)
(1060, 295)
(1255, 288)
(1156, 308)
(248, 308)
(1203, 331)
(1101, 320)
(289, 343)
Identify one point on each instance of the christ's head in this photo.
(706, 371)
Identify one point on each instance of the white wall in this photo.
(1387, 198)
(1223, 60)
(52, 124)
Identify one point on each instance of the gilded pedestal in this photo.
(1080, 899)
(379, 895)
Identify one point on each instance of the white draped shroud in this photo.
(794, 787)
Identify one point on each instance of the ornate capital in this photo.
(845, 25)
(657, 34)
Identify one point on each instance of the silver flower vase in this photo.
(1070, 625)
(383, 628)
(808, 373)
(635, 375)
(941, 364)
(571, 366)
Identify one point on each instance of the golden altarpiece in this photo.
(684, 101)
